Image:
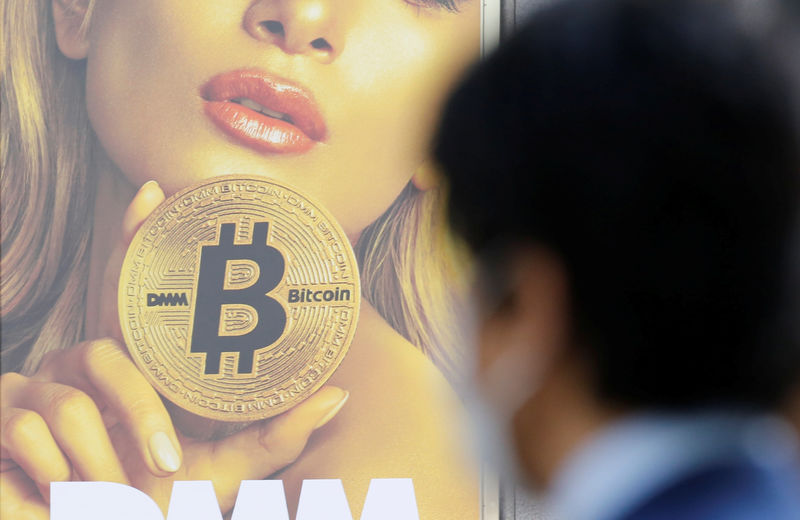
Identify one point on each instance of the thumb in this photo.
(147, 199)
(144, 202)
(266, 447)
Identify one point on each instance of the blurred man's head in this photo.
(627, 174)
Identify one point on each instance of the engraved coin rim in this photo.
(122, 307)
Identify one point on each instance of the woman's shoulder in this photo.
(402, 420)
(378, 350)
(394, 387)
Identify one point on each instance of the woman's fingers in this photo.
(27, 440)
(264, 448)
(103, 369)
(76, 425)
(19, 497)
(282, 439)
(146, 200)
(135, 403)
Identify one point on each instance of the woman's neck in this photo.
(114, 193)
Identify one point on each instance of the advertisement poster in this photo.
(139, 141)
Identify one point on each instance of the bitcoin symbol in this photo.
(238, 297)
(234, 313)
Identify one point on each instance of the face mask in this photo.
(491, 405)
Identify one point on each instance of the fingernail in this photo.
(148, 183)
(164, 453)
(333, 411)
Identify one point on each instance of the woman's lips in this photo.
(265, 113)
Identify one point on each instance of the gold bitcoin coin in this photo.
(238, 298)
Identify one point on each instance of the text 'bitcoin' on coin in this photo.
(238, 298)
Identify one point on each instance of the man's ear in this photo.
(542, 298)
(531, 317)
(525, 339)
(69, 17)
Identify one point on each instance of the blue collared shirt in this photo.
(631, 460)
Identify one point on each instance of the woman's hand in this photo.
(252, 454)
(55, 432)
(89, 414)
(55, 423)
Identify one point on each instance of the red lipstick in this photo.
(268, 114)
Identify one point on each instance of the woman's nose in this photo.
(308, 27)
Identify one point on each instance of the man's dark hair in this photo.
(651, 145)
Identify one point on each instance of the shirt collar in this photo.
(630, 460)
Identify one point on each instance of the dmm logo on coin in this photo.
(233, 313)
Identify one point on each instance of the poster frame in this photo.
(491, 27)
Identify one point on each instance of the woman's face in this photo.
(335, 97)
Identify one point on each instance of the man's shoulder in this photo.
(731, 490)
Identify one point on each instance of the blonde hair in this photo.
(47, 196)
(409, 267)
(413, 273)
